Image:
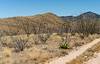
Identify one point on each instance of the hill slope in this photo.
(42, 23)
(50, 23)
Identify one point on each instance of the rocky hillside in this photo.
(50, 23)
(88, 22)
(41, 23)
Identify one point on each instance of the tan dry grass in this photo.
(41, 52)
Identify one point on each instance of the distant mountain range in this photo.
(44, 23)
(84, 16)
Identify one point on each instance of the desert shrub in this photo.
(0, 45)
(82, 36)
(73, 34)
(3, 43)
(20, 45)
(43, 37)
(64, 46)
(79, 44)
(87, 27)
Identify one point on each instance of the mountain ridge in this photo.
(86, 15)
(44, 23)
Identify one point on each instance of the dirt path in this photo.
(95, 60)
(75, 53)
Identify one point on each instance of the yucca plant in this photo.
(64, 46)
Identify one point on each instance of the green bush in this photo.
(64, 46)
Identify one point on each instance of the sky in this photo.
(10, 8)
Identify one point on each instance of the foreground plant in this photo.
(21, 44)
(64, 46)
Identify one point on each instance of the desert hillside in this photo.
(41, 23)
(88, 22)
(50, 39)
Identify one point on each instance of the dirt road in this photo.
(95, 60)
(75, 53)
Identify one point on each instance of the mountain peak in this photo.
(89, 15)
(50, 13)
(84, 16)
(89, 12)
(46, 14)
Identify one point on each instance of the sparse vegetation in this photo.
(44, 37)
(27, 49)
(51, 23)
(64, 46)
(37, 38)
(20, 45)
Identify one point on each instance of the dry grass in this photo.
(41, 47)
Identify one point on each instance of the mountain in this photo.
(68, 18)
(89, 15)
(41, 23)
(85, 16)
(45, 23)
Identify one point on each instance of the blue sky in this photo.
(10, 8)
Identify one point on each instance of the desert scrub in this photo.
(20, 44)
(43, 37)
(64, 46)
